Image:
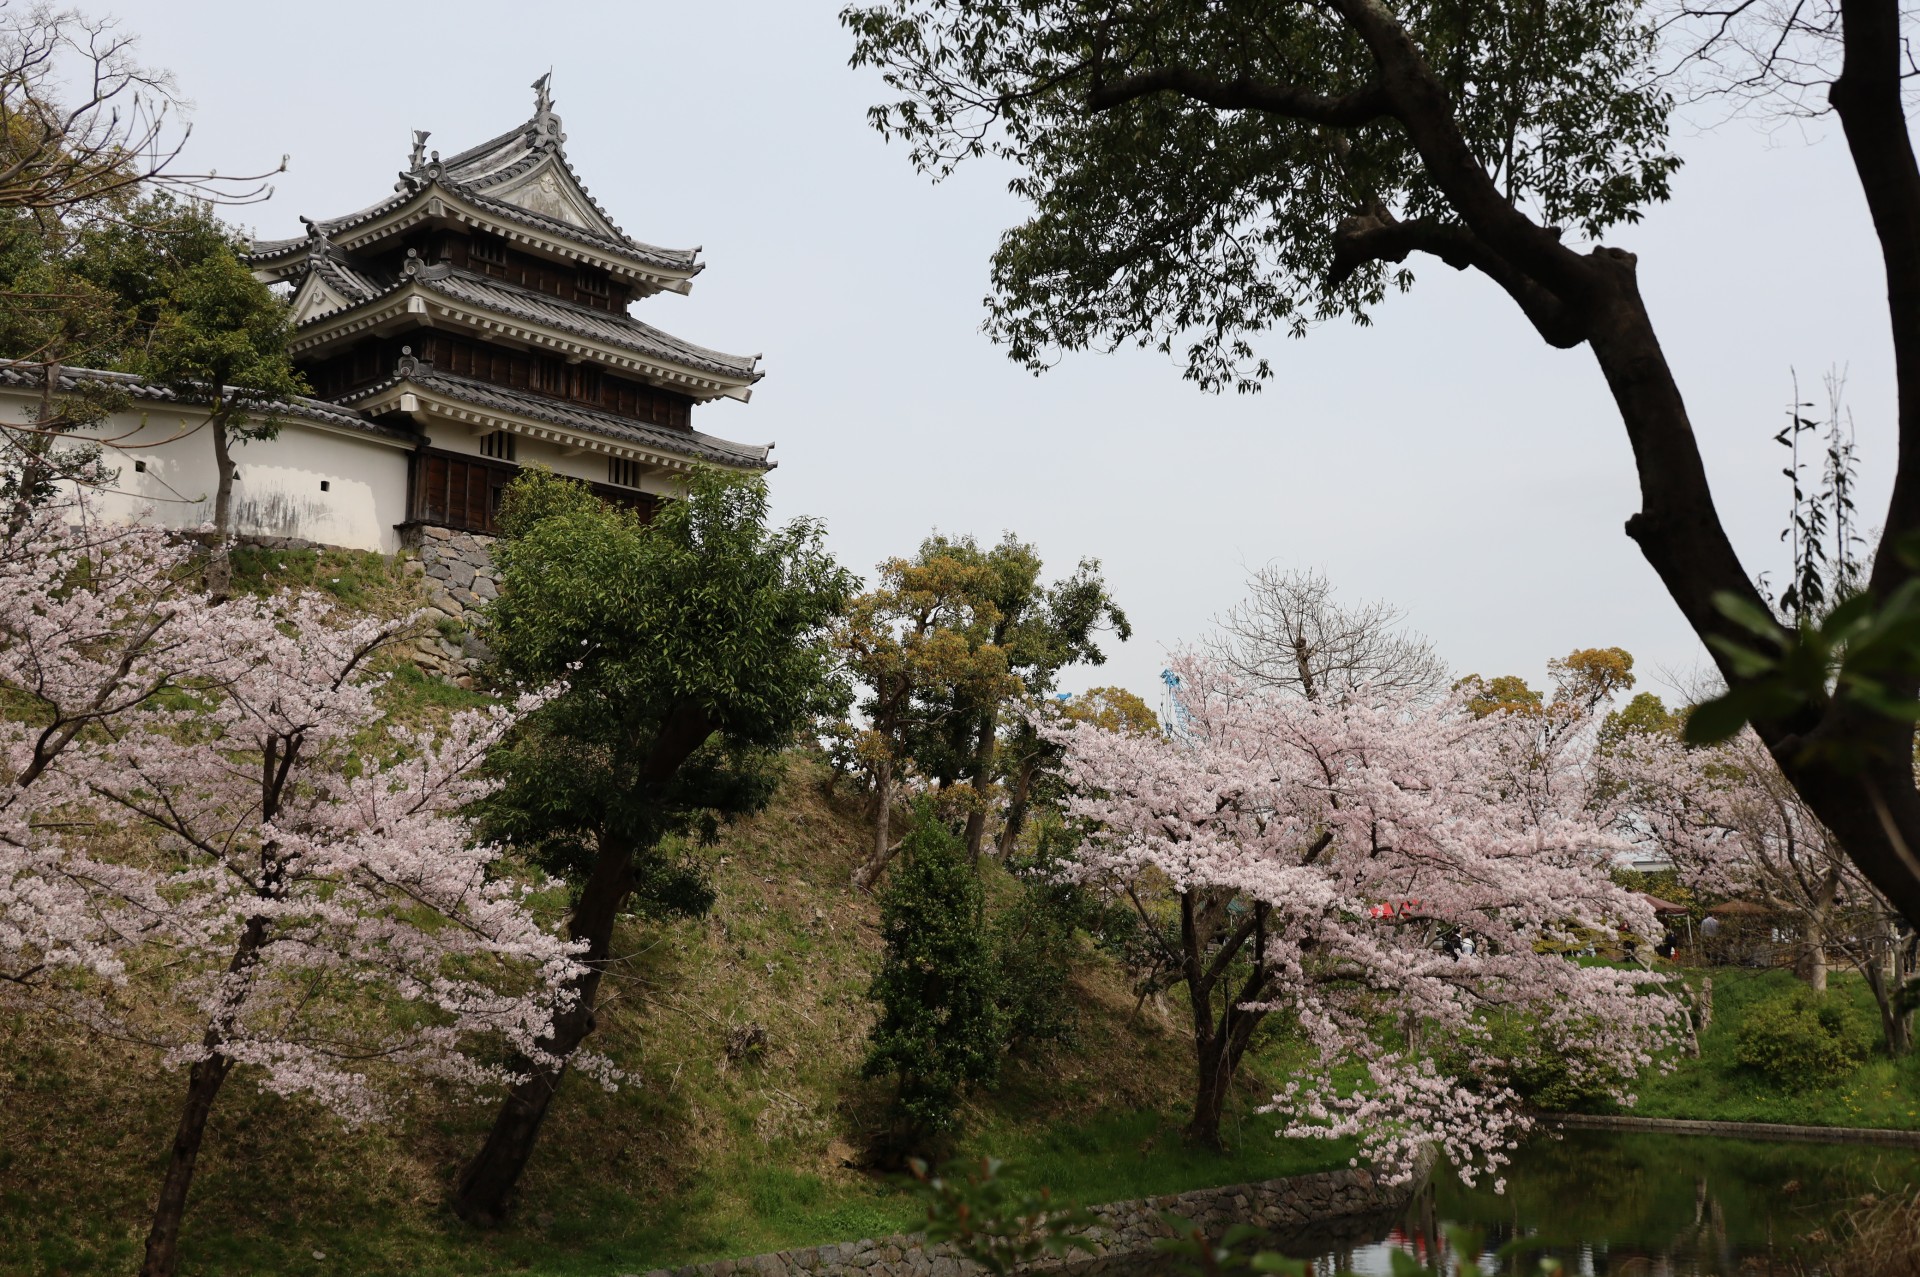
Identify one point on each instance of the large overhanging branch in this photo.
(1377, 236)
(1338, 111)
(1426, 110)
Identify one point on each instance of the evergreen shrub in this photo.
(1798, 1041)
(941, 1029)
(1035, 941)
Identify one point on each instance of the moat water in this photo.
(1639, 1205)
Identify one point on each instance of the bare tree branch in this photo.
(1290, 633)
(82, 120)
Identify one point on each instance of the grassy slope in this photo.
(695, 1158)
(1881, 1092)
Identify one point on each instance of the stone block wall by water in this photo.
(1283, 1206)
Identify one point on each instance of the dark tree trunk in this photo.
(1209, 1095)
(1570, 298)
(163, 1239)
(220, 564)
(981, 770)
(1017, 803)
(1219, 1041)
(484, 1192)
(204, 1081)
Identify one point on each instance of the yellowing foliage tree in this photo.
(922, 644)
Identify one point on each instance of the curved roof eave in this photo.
(652, 353)
(668, 269)
(523, 412)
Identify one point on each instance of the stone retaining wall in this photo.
(1738, 1130)
(456, 570)
(1285, 1207)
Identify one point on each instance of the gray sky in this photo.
(1444, 459)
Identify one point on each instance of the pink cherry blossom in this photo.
(211, 842)
(1421, 867)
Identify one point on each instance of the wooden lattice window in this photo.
(498, 445)
(488, 254)
(590, 289)
(624, 472)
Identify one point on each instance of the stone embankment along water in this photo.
(1733, 1130)
(1130, 1229)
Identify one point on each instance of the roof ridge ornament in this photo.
(417, 159)
(546, 125)
(317, 247)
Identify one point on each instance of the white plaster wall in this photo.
(278, 492)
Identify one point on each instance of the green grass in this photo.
(360, 579)
(1880, 1093)
(1126, 1156)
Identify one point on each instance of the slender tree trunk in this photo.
(868, 872)
(204, 1081)
(1887, 978)
(220, 564)
(1817, 964)
(1220, 1043)
(1017, 803)
(163, 1239)
(981, 770)
(485, 1188)
(486, 1184)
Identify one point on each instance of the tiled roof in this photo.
(347, 281)
(475, 172)
(610, 327)
(684, 443)
(319, 410)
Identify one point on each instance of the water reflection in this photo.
(1633, 1205)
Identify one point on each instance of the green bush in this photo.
(1035, 943)
(941, 1028)
(1798, 1041)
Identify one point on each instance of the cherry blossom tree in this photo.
(208, 844)
(1732, 825)
(1391, 875)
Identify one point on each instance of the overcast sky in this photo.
(1445, 459)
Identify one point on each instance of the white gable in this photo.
(316, 298)
(550, 191)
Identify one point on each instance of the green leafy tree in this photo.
(1645, 715)
(691, 648)
(922, 644)
(1042, 629)
(1036, 943)
(216, 336)
(1202, 172)
(52, 317)
(941, 1029)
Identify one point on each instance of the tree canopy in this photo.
(1203, 172)
(689, 649)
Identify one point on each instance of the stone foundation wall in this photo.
(456, 571)
(1286, 1207)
